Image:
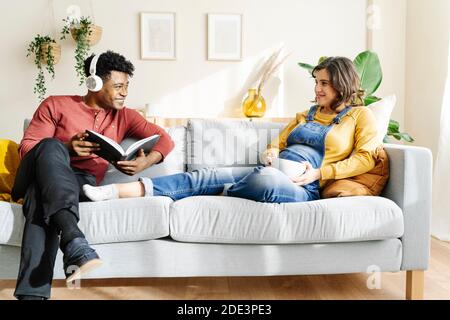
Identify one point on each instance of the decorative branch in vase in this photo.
(254, 104)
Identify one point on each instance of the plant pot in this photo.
(93, 38)
(55, 50)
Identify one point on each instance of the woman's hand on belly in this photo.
(309, 176)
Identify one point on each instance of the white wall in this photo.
(426, 68)
(388, 40)
(191, 85)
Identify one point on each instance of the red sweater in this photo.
(62, 117)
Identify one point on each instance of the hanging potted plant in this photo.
(46, 52)
(85, 34)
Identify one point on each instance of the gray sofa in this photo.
(224, 236)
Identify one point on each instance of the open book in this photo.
(112, 151)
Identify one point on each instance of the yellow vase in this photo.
(254, 104)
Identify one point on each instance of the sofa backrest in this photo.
(225, 143)
(175, 162)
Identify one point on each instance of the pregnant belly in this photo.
(299, 152)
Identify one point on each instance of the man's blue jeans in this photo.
(263, 184)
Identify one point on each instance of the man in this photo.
(57, 162)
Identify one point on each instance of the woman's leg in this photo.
(114, 191)
(130, 190)
(208, 181)
(267, 184)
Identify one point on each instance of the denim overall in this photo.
(307, 143)
(264, 184)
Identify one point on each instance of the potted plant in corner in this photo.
(369, 70)
(46, 52)
(85, 34)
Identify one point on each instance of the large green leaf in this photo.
(369, 70)
(394, 131)
(407, 137)
(371, 99)
(397, 136)
(322, 59)
(394, 126)
(306, 66)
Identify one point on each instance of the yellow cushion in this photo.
(9, 162)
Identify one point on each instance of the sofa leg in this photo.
(414, 284)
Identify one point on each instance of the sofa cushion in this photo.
(175, 162)
(102, 222)
(237, 143)
(219, 219)
(11, 223)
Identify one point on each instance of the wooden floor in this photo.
(344, 286)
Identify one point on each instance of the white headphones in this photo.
(94, 82)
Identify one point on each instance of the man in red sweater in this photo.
(57, 162)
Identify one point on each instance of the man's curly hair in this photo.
(107, 62)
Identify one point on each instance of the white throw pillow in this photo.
(382, 111)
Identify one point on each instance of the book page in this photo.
(109, 141)
(146, 144)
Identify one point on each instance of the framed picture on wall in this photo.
(224, 37)
(158, 36)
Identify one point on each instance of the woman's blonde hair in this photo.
(344, 79)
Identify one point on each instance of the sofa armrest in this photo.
(409, 186)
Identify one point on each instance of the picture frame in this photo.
(158, 35)
(224, 37)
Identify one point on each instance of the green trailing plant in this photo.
(369, 70)
(42, 58)
(80, 30)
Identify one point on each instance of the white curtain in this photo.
(441, 178)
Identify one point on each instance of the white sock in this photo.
(101, 193)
